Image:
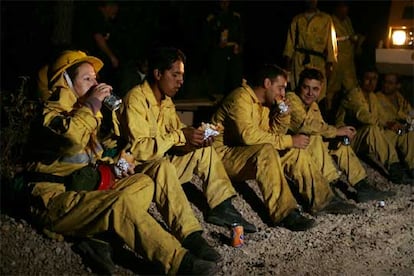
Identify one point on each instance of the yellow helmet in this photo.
(69, 58)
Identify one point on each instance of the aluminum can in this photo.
(113, 102)
(346, 141)
(237, 233)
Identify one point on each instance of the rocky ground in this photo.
(378, 241)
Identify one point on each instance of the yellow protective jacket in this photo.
(248, 122)
(397, 111)
(317, 34)
(357, 109)
(344, 31)
(343, 73)
(78, 125)
(152, 129)
(248, 126)
(308, 121)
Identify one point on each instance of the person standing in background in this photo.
(343, 75)
(224, 45)
(97, 38)
(311, 42)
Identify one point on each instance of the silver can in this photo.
(346, 141)
(112, 102)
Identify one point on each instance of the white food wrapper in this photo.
(283, 107)
(209, 130)
(121, 166)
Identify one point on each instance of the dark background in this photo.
(26, 29)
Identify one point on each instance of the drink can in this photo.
(346, 141)
(237, 233)
(113, 102)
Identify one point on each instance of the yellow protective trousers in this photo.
(176, 170)
(312, 186)
(404, 145)
(348, 163)
(262, 163)
(319, 151)
(122, 210)
(371, 142)
(342, 75)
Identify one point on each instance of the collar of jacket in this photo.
(251, 93)
(149, 95)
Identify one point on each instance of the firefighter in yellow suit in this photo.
(397, 118)
(343, 75)
(310, 42)
(165, 148)
(251, 143)
(61, 205)
(361, 108)
(306, 118)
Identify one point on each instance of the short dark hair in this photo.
(266, 71)
(367, 68)
(162, 58)
(310, 73)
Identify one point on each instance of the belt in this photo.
(309, 53)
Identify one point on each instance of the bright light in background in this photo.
(399, 37)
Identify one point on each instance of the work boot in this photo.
(397, 175)
(367, 192)
(225, 214)
(338, 206)
(199, 247)
(190, 265)
(97, 253)
(296, 222)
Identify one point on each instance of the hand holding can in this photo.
(112, 102)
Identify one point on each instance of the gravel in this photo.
(377, 241)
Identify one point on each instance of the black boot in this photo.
(338, 206)
(199, 247)
(98, 254)
(190, 265)
(296, 222)
(367, 192)
(225, 214)
(397, 175)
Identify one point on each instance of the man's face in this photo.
(310, 90)
(171, 80)
(390, 84)
(275, 91)
(369, 82)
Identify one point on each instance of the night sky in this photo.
(26, 29)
